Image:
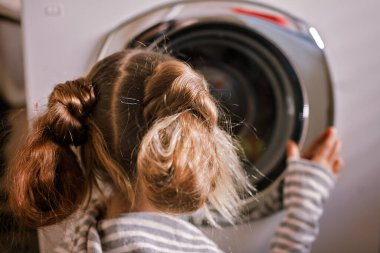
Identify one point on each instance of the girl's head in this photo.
(140, 121)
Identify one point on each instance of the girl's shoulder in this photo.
(142, 231)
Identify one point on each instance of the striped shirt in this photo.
(305, 188)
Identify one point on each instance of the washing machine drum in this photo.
(265, 67)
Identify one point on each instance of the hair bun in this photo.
(185, 159)
(69, 106)
(175, 87)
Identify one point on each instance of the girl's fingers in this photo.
(293, 150)
(337, 166)
(317, 143)
(326, 147)
(325, 151)
(335, 151)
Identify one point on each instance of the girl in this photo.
(145, 125)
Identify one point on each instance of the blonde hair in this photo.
(140, 118)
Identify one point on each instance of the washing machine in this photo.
(266, 67)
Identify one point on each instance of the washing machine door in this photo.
(265, 67)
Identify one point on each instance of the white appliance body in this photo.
(63, 38)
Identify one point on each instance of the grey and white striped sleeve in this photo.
(306, 188)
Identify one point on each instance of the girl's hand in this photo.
(324, 151)
(307, 185)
